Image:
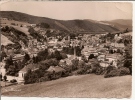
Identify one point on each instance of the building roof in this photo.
(18, 57)
(118, 45)
(71, 57)
(101, 55)
(93, 60)
(113, 56)
(30, 66)
(89, 49)
(104, 64)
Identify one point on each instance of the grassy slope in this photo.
(78, 86)
(5, 40)
(23, 29)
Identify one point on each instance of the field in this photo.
(92, 86)
(5, 40)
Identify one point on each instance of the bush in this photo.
(43, 79)
(89, 71)
(65, 74)
(118, 72)
(13, 81)
(124, 71)
(112, 73)
(99, 71)
(103, 71)
(94, 68)
(80, 71)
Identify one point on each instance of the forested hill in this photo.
(69, 25)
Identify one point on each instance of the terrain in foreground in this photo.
(92, 86)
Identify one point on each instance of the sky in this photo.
(68, 10)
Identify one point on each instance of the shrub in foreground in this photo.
(117, 72)
(124, 71)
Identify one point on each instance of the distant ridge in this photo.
(69, 25)
(121, 24)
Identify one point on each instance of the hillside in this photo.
(65, 25)
(121, 24)
(92, 86)
(22, 29)
(5, 40)
(14, 35)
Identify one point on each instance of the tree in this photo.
(51, 55)
(81, 64)
(5, 78)
(111, 51)
(26, 58)
(2, 47)
(91, 56)
(128, 58)
(9, 62)
(118, 51)
(63, 55)
(35, 59)
(42, 55)
(27, 77)
(84, 58)
(44, 25)
(3, 55)
(78, 51)
(12, 70)
(0, 77)
(20, 65)
(75, 64)
(16, 66)
(57, 55)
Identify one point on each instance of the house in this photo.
(70, 57)
(101, 57)
(112, 58)
(33, 25)
(87, 50)
(118, 45)
(44, 46)
(18, 57)
(102, 50)
(23, 71)
(24, 25)
(79, 58)
(104, 64)
(52, 42)
(59, 49)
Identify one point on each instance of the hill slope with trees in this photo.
(66, 25)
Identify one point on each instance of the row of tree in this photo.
(45, 54)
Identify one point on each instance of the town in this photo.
(38, 53)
